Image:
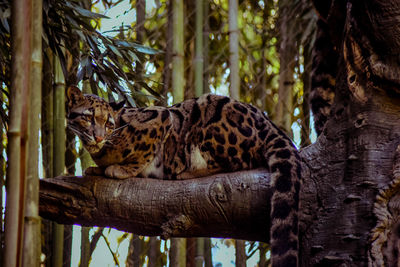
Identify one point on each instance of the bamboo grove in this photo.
(256, 51)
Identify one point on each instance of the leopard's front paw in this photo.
(96, 171)
(118, 171)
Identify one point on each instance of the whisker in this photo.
(75, 131)
(120, 127)
(115, 132)
(115, 135)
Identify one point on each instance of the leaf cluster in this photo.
(102, 59)
(71, 31)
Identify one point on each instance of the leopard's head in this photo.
(91, 118)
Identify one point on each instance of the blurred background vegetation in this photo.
(157, 52)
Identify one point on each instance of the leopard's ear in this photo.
(117, 106)
(74, 95)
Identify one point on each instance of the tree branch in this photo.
(235, 205)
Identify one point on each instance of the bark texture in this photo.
(354, 157)
(226, 205)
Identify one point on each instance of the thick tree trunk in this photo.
(350, 224)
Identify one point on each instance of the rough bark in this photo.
(225, 205)
(353, 159)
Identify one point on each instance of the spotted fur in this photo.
(195, 138)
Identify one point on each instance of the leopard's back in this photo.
(228, 134)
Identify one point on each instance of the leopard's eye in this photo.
(73, 115)
(109, 125)
(110, 122)
(86, 117)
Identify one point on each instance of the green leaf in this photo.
(140, 48)
(146, 50)
(134, 57)
(115, 50)
(85, 12)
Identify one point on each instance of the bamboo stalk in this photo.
(198, 59)
(140, 34)
(59, 150)
(178, 245)
(178, 75)
(135, 249)
(47, 114)
(306, 77)
(154, 252)
(287, 54)
(240, 253)
(178, 252)
(206, 33)
(167, 71)
(207, 252)
(31, 246)
(234, 50)
(17, 133)
(47, 141)
(206, 89)
(2, 179)
(86, 161)
(199, 259)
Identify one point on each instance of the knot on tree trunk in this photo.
(175, 225)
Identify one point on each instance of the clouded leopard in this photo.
(195, 138)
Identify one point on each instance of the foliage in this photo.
(105, 60)
(259, 45)
(71, 29)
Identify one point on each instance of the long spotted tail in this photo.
(284, 165)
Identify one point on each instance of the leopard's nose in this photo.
(99, 139)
